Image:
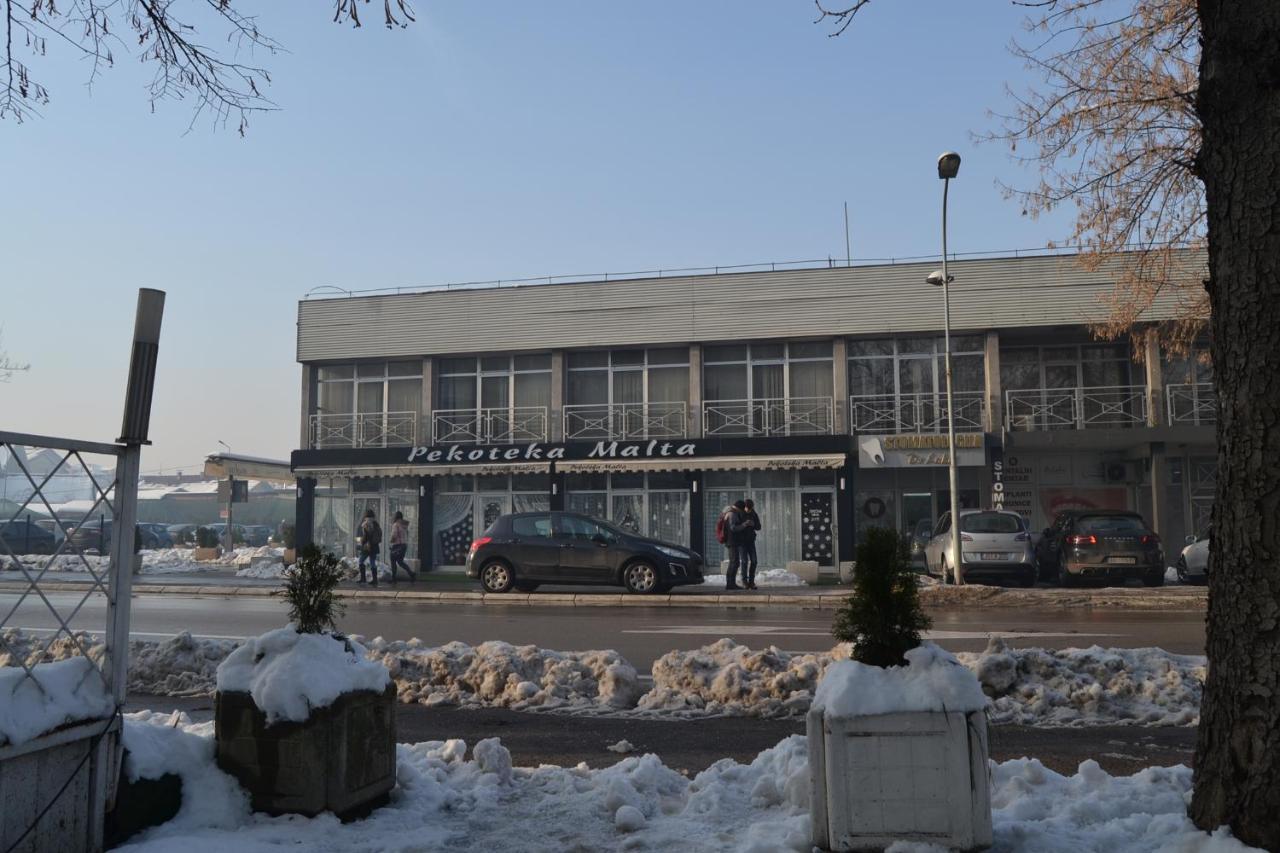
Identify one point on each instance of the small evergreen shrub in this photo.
(309, 586)
(883, 617)
(206, 537)
(290, 535)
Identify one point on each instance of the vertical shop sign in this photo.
(997, 477)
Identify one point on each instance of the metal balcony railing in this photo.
(504, 425)
(625, 421)
(1193, 404)
(373, 429)
(1103, 407)
(914, 413)
(772, 416)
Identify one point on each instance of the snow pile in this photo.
(932, 680)
(726, 678)
(1074, 687)
(289, 674)
(764, 577)
(263, 562)
(160, 561)
(54, 695)
(351, 567)
(497, 673)
(179, 666)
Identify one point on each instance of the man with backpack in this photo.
(729, 529)
(370, 539)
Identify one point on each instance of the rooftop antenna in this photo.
(848, 257)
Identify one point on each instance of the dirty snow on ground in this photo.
(445, 801)
(932, 680)
(764, 577)
(933, 593)
(289, 674)
(518, 677)
(1030, 686)
(161, 561)
(53, 695)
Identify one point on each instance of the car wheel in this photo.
(496, 576)
(525, 586)
(1155, 578)
(641, 578)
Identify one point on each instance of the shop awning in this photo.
(783, 462)
(426, 470)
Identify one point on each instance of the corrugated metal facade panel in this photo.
(988, 294)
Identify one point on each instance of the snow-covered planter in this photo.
(206, 555)
(899, 754)
(306, 723)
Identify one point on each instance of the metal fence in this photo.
(499, 425)
(1104, 407)
(625, 421)
(1193, 404)
(771, 416)
(915, 413)
(372, 429)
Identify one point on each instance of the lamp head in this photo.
(949, 165)
(935, 278)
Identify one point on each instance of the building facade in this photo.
(819, 393)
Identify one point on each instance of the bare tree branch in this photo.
(8, 367)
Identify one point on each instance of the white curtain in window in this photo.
(531, 503)
(594, 504)
(811, 379)
(628, 512)
(452, 527)
(333, 525)
(669, 517)
(777, 542)
(533, 389)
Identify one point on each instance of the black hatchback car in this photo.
(1104, 545)
(524, 549)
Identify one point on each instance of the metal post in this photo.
(952, 468)
(231, 496)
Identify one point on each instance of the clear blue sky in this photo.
(491, 140)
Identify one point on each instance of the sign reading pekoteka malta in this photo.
(538, 452)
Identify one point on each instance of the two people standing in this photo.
(370, 540)
(737, 530)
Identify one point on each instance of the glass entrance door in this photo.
(817, 527)
(487, 510)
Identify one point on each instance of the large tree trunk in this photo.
(1237, 776)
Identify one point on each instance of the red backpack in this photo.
(722, 529)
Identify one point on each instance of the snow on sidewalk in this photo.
(445, 801)
(262, 561)
(1028, 686)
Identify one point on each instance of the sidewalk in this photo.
(440, 588)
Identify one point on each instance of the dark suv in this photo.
(525, 549)
(1105, 545)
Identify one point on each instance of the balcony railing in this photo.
(374, 429)
(503, 425)
(1111, 407)
(1192, 405)
(625, 421)
(774, 416)
(895, 413)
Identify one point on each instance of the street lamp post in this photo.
(948, 168)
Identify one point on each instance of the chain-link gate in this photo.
(60, 783)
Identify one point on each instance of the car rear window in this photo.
(532, 525)
(1111, 524)
(990, 522)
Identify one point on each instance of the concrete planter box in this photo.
(919, 777)
(204, 555)
(290, 556)
(32, 774)
(342, 759)
(846, 572)
(806, 570)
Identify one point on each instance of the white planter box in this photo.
(806, 570)
(919, 777)
(846, 572)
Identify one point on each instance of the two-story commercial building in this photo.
(818, 392)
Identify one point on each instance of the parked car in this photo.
(183, 534)
(1105, 545)
(52, 527)
(23, 537)
(95, 535)
(1193, 562)
(155, 535)
(257, 535)
(220, 530)
(521, 550)
(994, 544)
(919, 539)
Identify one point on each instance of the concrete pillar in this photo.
(1160, 509)
(308, 405)
(1155, 381)
(993, 419)
(304, 513)
(694, 428)
(556, 413)
(425, 431)
(840, 384)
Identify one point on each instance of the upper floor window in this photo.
(911, 367)
(1065, 366)
(369, 388)
(493, 382)
(767, 371)
(628, 377)
(1195, 368)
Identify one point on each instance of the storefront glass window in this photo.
(655, 505)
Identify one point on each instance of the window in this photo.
(369, 388)
(769, 371)
(1107, 524)
(533, 526)
(1073, 366)
(493, 398)
(573, 527)
(628, 377)
(990, 522)
(909, 367)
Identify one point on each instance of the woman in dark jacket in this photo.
(747, 545)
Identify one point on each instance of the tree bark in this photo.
(1237, 774)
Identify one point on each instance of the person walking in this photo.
(747, 547)
(370, 539)
(400, 544)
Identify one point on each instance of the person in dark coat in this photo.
(370, 542)
(734, 523)
(747, 544)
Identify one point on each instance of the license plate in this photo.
(991, 556)
(1123, 561)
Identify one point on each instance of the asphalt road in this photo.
(641, 634)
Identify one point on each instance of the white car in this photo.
(994, 544)
(1193, 562)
